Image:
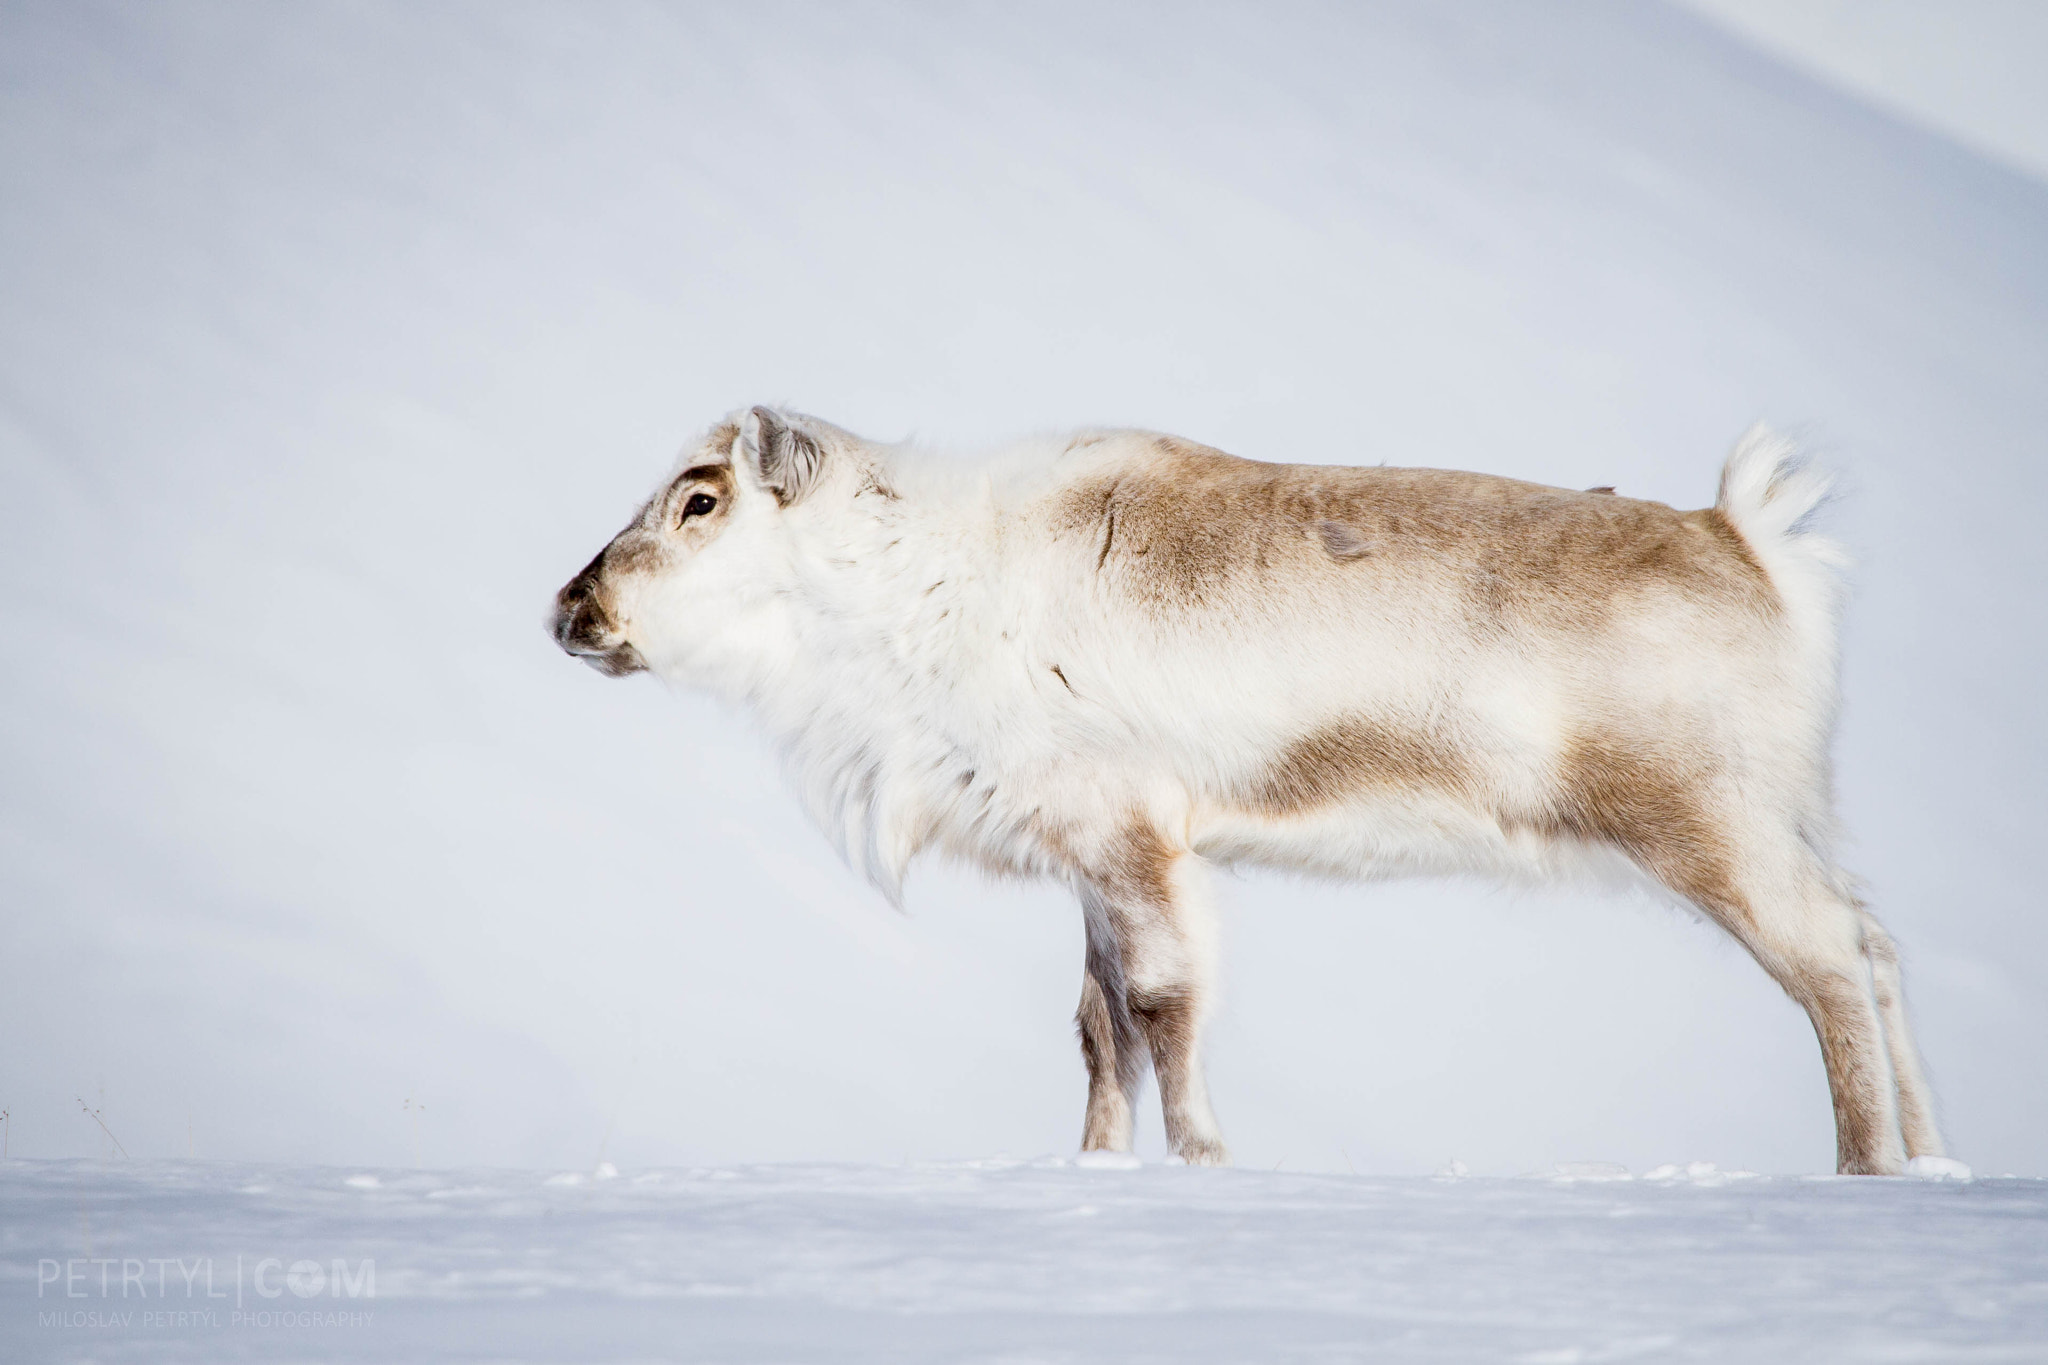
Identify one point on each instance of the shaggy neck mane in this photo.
(893, 573)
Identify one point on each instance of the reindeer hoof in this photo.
(1209, 1152)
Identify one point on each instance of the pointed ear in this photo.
(786, 458)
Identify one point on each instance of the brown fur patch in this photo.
(1168, 1018)
(1715, 523)
(1340, 760)
(1651, 803)
(634, 550)
(1178, 526)
(1137, 866)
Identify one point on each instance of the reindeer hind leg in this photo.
(1810, 938)
(1749, 870)
(1916, 1098)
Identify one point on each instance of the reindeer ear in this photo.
(786, 457)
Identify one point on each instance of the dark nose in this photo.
(580, 621)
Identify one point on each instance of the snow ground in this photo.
(1018, 1261)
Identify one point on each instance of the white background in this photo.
(334, 338)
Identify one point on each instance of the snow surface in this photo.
(336, 336)
(1025, 1261)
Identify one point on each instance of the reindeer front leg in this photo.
(1115, 1054)
(1151, 974)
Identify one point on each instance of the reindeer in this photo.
(1118, 658)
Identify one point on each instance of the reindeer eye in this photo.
(698, 505)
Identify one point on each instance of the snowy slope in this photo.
(1968, 68)
(336, 336)
(1013, 1261)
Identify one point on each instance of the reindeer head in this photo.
(677, 580)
